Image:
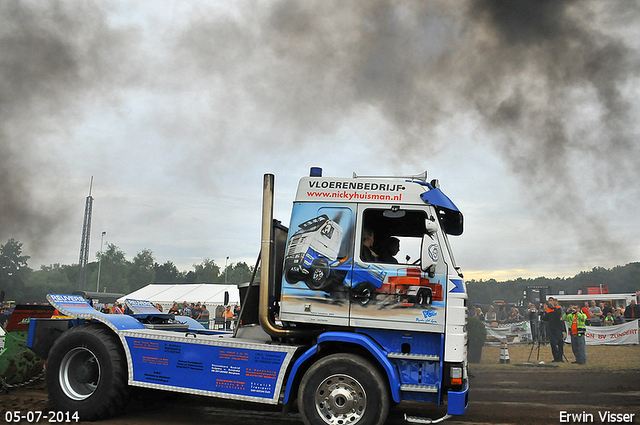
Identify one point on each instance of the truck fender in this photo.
(294, 370)
(351, 338)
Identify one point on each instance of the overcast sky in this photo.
(525, 111)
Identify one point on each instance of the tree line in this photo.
(117, 274)
(619, 279)
(19, 282)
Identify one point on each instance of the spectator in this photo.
(203, 318)
(117, 309)
(228, 317)
(473, 312)
(502, 315)
(514, 315)
(105, 309)
(174, 309)
(577, 328)
(159, 307)
(606, 309)
(491, 315)
(186, 311)
(585, 310)
(632, 311)
(553, 317)
(618, 317)
(596, 314)
(479, 313)
(608, 321)
(195, 312)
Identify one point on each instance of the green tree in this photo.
(14, 270)
(167, 273)
(142, 272)
(207, 271)
(52, 279)
(114, 270)
(239, 273)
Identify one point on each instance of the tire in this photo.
(424, 297)
(291, 277)
(364, 293)
(343, 389)
(86, 372)
(319, 275)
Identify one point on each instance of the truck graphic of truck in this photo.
(409, 287)
(312, 250)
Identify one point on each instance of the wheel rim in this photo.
(79, 373)
(340, 399)
(318, 276)
(365, 295)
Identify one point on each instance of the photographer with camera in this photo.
(577, 328)
(553, 317)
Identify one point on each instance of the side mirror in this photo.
(431, 226)
(429, 254)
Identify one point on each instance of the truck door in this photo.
(390, 286)
(318, 264)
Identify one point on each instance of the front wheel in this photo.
(364, 293)
(319, 275)
(343, 389)
(86, 372)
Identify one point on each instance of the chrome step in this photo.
(417, 357)
(419, 388)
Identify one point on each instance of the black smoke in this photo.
(547, 81)
(56, 59)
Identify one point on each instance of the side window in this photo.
(392, 237)
(327, 231)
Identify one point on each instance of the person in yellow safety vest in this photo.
(576, 320)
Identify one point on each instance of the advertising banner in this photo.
(208, 366)
(510, 332)
(624, 334)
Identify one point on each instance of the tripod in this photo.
(542, 334)
(538, 338)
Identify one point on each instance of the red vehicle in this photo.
(413, 287)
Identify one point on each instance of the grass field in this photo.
(599, 357)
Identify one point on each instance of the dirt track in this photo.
(506, 395)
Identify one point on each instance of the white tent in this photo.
(210, 294)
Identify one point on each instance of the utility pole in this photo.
(100, 261)
(84, 244)
(226, 270)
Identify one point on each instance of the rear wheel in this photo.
(86, 372)
(343, 389)
(425, 297)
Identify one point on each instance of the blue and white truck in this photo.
(343, 339)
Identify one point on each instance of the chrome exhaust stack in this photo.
(265, 316)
